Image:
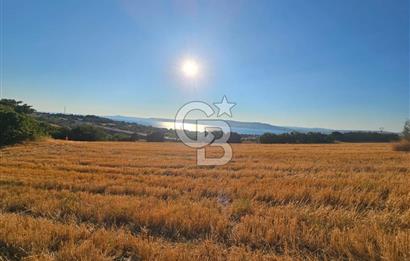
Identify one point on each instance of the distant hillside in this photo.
(251, 128)
(31, 124)
(121, 129)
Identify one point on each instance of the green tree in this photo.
(17, 106)
(16, 127)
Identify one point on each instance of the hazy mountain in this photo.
(256, 128)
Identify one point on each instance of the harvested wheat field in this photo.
(130, 201)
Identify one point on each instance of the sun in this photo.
(190, 68)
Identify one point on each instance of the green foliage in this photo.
(17, 106)
(59, 132)
(120, 137)
(295, 137)
(315, 137)
(15, 123)
(364, 136)
(87, 133)
(155, 136)
(135, 137)
(235, 138)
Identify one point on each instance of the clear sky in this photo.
(340, 64)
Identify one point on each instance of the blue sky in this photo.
(340, 64)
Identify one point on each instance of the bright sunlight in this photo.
(190, 68)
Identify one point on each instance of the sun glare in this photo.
(190, 68)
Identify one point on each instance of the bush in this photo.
(234, 138)
(135, 137)
(17, 126)
(155, 137)
(87, 133)
(59, 132)
(120, 137)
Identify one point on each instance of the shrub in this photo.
(120, 137)
(155, 137)
(59, 132)
(234, 138)
(135, 137)
(87, 133)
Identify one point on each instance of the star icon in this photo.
(225, 107)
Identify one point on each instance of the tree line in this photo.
(316, 137)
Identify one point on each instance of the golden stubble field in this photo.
(129, 201)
